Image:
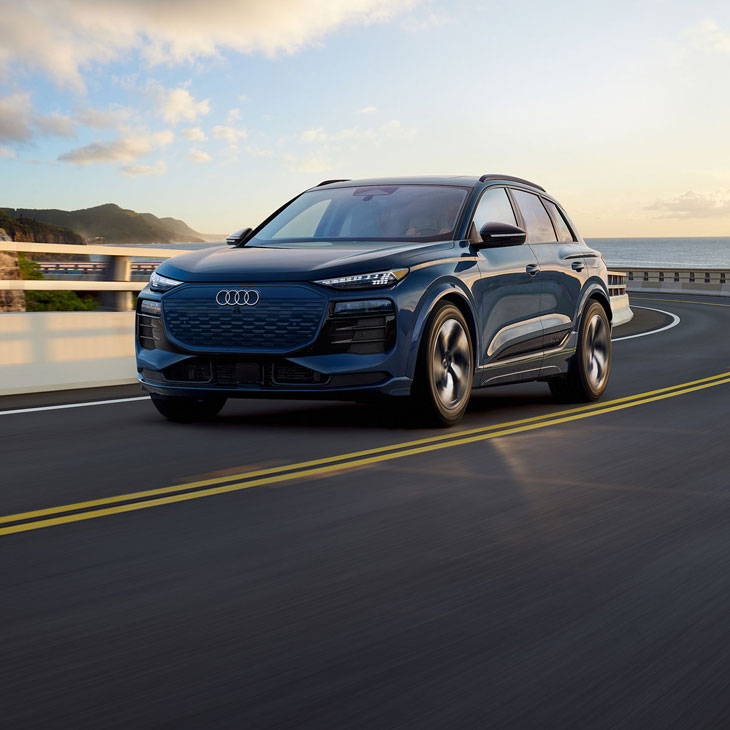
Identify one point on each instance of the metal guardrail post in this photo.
(118, 268)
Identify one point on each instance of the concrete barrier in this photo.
(42, 351)
(678, 280)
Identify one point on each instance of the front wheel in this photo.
(445, 368)
(589, 369)
(186, 410)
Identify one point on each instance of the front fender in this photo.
(451, 288)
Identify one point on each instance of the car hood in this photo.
(224, 263)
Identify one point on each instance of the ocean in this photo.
(703, 253)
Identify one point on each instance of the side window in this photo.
(537, 220)
(305, 224)
(494, 206)
(564, 232)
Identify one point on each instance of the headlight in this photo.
(365, 281)
(162, 283)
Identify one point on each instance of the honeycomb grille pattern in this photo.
(274, 324)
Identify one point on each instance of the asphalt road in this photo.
(565, 571)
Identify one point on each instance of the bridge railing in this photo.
(692, 280)
(116, 270)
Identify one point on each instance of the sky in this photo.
(219, 112)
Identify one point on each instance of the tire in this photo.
(445, 369)
(187, 410)
(590, 367)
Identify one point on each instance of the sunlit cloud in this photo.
(179, 105)
(7, 153)
(62, 38)
(313, 135)
(233, 115)
(159, 168)
(228, 134)
(198, 156)
(124, 148)
(694, 205)
(194, 134)
(707, 35)
(367, 110)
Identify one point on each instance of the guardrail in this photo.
(619, 298)
(117, 268)
(690, 280)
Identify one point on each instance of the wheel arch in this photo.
(452, 294)
(596, 293)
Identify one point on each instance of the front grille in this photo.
(284, 319)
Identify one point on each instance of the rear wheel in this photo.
(589, 369)
(186, 410)
(445, 368)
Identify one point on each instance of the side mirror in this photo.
(237, 238)
(495, 234)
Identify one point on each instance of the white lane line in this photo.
(73, 405)
(675, 321)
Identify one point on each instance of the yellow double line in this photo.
(37, 519)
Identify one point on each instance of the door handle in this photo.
(532, 269)
(577, 266)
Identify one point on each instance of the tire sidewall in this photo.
(424, 377)
(591, 392)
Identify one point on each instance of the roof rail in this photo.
(329, 182)
(484, 178)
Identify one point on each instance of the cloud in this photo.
(314, 135)
(19, 123)
(233, 115)
(694, 205)
(312, 163)
(194, 134)
(102, 119)
(55, 125)
(179, 105)
(198, 156)
(159, 168)
(229, 134)
(707, 35)
(124, 148)
(62, 38)
(367, 110)
(7, 153)
(15, 113)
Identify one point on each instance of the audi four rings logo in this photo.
(233, 297)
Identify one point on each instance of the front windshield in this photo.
(369, 213)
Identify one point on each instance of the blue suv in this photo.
(421, 289)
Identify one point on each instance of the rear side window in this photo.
(564, 232)
(537, 220)
(494, 206)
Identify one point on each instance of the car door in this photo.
(563, 270)
(508, 293)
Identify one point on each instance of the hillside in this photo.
(113, 224)
(28, 229)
